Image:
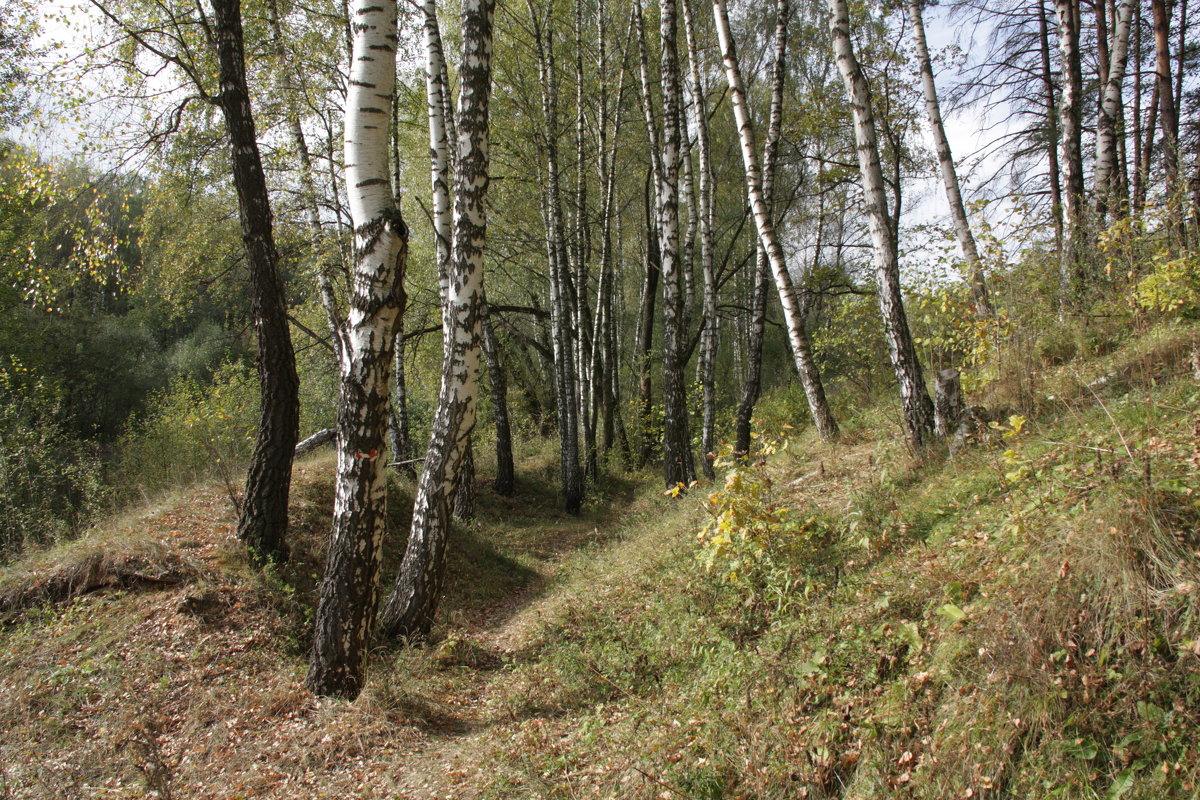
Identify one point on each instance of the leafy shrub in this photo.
(1172, 287)
(191, 431)
(755, 545)
(50, 483)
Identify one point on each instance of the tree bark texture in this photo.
(410, 610)
(1106, 173)
(349, 589)
(918, 408)
(262, 523)
(678, 466)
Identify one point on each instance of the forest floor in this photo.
(1022, 620)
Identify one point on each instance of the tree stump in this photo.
(948, 404)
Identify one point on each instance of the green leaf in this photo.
(1122, 784)
(952, 612)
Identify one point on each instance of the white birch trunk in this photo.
(918, 408)
(349, 591)
(768, 237)
(1105, 172)
(962, 225)
(410, 609)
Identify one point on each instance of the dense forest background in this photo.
(127, 336)
(788, 399)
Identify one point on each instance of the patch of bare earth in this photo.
(149, 661)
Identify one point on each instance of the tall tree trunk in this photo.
(1070, 115)
(962, 225)
(918, 408)
(349, 591)
(584, 343)
(678, 466)
(645, 333)
(710, 338)
(1108, 128)
(1167, 111)
(505, 481)
(571, 473)
(262, 523)
(806, 366)
(1049, 95)
(410, 610)
(752, 385)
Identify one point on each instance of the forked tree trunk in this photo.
(349, 591)
(918, 408)
(410, 610)
(752, 387)
(262, 522)
(806, 366)
(1106, 174)
(710, 339)
(941, 144)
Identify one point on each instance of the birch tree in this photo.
(1070, 123)
(349, 590)
(918, 408)
(410, 610)
(567, 405)
(958, 211)
(262, 517)
(806, 366)
(710, 337)
(1108, 132)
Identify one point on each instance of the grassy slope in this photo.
(1022, 625)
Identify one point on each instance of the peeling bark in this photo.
(349, 590)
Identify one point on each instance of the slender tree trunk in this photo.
(1070, 113)
(505, 482)
(349, 591)
(962, 225)
(645, 334)
(678, 466)
(1108, 128)
(410, 610)
(584, 341)
(752, 386)
(399, 431)
(710, 338)
(262, 523)
(567, 404)
(1053, 138)
(918, 408)
(797, 334)
(1167, 111)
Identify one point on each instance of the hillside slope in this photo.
(1021, 620)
